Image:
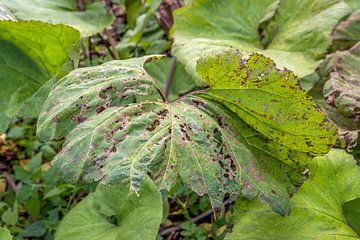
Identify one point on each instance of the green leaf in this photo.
(88, 22)
(135, 217)
(301, 37)
(354, 4)
(316, 207)
(35, 163)
(118, 129)
(45, 50)
(33, 204)
(133, 10)
(11, 215)
(5, 234)
(351, 212)
(268, 99)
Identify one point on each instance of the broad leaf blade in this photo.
(136, 217)
(91, 21)
(316, 207)
(301, 39)
(268, 99)
(45, 50)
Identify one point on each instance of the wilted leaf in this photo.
(135, 218)
(339, 81)
(316, 207)
(268, 99)
(347, 32)
(118, 129)
(301, 37)
(88, 22)
(5, 234)
(342, 90)
(44, 51)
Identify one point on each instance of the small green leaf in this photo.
(11, 215)
(135, 217)
(35, 163)
(91, 21)
(316, 207)
(268, 99)
(5, 234)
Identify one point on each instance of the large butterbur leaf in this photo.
(120, 127)
(114, 213)
(90, 20)
(316, 207)
(46, 51)
(299, 40)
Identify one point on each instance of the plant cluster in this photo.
(251, 120)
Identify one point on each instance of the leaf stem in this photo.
(191, 93)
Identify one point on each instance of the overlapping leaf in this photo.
(316, 207)
(135, 217)
(31, 53)
(118, 129)
(91, 21)
(300, 38)
(268, 99)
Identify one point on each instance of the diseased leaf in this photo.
(46, 51)
(342, 90)
(316, 207)
(91, 21)
(301, 37)
(268, 99)
(119, 129)
(135, 217)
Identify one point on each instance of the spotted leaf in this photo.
(120, 127)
